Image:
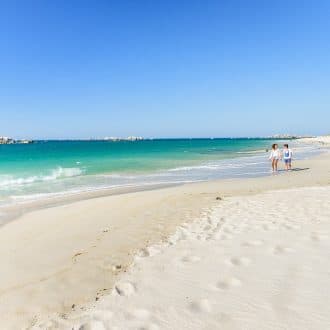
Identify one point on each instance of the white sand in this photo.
(67, 255)
(323, 140)
(252, 262)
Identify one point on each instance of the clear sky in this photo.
(174, 68)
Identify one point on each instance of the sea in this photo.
(51, 169)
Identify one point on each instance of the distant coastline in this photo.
(8, 140)
(290, 136)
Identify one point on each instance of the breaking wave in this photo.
(58, 173)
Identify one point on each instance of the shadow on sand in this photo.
(300, 169)
(296, 169)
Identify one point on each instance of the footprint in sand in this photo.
(287, 226)
(106, 264)
(151, 326)
(253, 243)
(268, 227)
(207, 228)
(52, 324)
(141, 314)
(183, 235)
(191, 259)
(318, 237)
(201, 306)
(265, 227)
(225, 237)
(290, 226)
(101, 314)
(93, 325)
(76, 255)
(238, 261)
(212, 221)
(228, 231)
(148, 252)
(125, 289)
(201, 237)
(144, 253)
(214, 236)
(228, 283)
(282, 250)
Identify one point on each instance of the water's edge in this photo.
(239, 167)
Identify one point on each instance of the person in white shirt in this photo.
(287, 157)
(275, 156)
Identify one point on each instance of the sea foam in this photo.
(59, 172)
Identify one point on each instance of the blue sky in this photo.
(72, 69)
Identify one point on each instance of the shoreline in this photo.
(17, 210)
(30, 196)
(91, 242)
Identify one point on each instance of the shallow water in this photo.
(49, 169)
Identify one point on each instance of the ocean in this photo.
(46, 169)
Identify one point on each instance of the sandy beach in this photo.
(322, 140)
(229, 254)
(164, 165)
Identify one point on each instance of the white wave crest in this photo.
(60, 172)
(259, 151)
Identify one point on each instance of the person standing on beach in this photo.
(287, 157)
(274, 157)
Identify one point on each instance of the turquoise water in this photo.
(95, 157)
(47, 168)
(47, 161)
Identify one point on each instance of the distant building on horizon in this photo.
(8, 140)
(129, 138)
